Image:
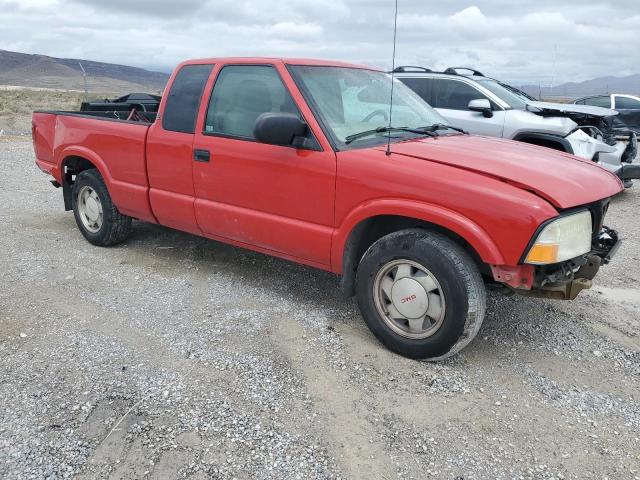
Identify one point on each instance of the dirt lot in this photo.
(172, 356)
(17, 105)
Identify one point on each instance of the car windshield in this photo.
(511, 98)
(350, 101)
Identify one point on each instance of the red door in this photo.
(275, 198)
(170, 153)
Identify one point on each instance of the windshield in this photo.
(514, 100)
(350, 101)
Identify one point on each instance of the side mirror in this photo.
(277, 128)
(481, 105)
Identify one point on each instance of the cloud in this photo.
(510, 40)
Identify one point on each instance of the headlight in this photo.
(564, 238)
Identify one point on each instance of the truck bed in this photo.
(62, 137)
(142, 107)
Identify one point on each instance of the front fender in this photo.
(453, 221)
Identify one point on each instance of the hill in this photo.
(597, 86)
(41, 71)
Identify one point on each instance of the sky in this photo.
(536, 41)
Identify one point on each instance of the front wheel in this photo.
(96, 216)
(420, 294)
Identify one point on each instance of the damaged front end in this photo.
(596, 137)
(613, 150)
(566, 279)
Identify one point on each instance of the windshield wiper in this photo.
(350, 138)
(443, 126)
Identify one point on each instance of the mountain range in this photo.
(33, 70)
(41, 71)
(597, 86)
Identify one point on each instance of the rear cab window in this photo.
(183, 99)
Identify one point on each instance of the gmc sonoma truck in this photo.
(306, 160)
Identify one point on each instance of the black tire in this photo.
(460, 281)
(115, 227)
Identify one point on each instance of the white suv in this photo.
(485, 106)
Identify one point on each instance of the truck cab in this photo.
(627, 106)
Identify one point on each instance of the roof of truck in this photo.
(286, 60)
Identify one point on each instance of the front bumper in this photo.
(565, 280)
(627, 170)
(620, 162)
(615, 153)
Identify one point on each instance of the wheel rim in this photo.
(90, 209)
(409, 299)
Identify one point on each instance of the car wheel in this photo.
(421, 294)
(96, 216)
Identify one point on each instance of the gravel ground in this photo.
(172, 356)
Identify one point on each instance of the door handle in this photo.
(201, 155)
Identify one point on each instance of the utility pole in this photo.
(553, 70)
(84, 77)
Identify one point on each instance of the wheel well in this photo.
(367, 232)
(75, 165)
(549, 141)
(72, 166)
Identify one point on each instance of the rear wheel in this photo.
(96, 216)
(420, 294)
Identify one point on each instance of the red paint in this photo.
(519, 276)
(302, 205)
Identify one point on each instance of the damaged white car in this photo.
(485, 106)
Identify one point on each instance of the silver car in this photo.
(485, 106)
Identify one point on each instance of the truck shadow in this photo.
(176, 252)
(511, 321)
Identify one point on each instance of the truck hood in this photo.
(569, 110)
(563, 180)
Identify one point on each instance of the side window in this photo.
(626, 103)
(241, 94)
(183, 100)
(580, 102)
(604, 101)
(422, 86)
(453, 94)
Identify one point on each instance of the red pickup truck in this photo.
(307, 160)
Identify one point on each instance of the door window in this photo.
(241, 94)
(604, 101)
(627, 103)
(453, 94)
(183, 100)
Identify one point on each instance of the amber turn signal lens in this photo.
(543, 253)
